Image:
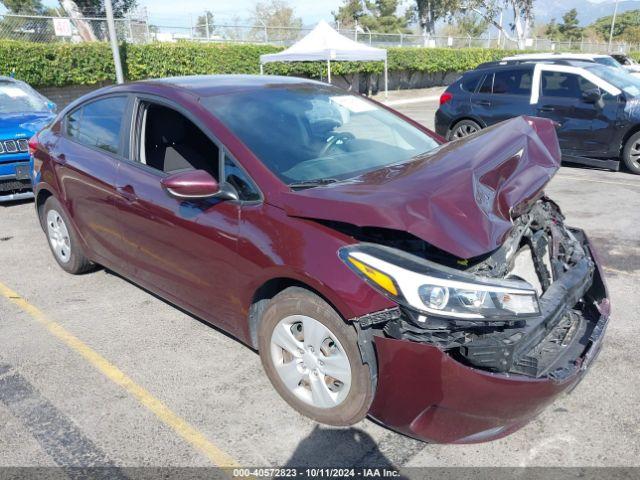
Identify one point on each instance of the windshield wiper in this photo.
(316, 182)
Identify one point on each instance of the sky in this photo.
(179, 12)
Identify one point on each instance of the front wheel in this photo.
(463, 129)
(312, 358)
(63, 239)
(631, 153)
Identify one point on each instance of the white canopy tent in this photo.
(325, 44)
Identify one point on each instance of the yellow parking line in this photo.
(117, 376)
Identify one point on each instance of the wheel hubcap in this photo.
(464, 130)
(58, 236)
(635, 154)
(310, 361)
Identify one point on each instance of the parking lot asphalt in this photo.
(95, 371)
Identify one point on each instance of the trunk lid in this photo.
(461, 197)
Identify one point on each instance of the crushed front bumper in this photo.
(425, 393)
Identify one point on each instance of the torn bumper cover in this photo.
(458, 395)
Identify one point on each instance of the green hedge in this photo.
(59, 64)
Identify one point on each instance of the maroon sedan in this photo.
(378, 270)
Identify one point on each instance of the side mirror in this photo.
(592, 96)
(195, 185)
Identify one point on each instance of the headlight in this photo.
(433, 289)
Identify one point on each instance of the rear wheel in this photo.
(631, 153)
(63, 240)
(463, 128)
(312, 358)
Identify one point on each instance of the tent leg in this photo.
(329, 71)
(261, 69)
(386, 80)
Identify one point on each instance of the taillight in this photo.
(33, 145)
(445, 97)
(33, 148)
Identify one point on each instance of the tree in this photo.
(349, 13)
(430, 11)
(95, 8)
(551, 30)
(278, 18)
(471, 25)
(204, 24)
(376, 15)
(521, 10)
(570, 29)
(24, 7)
(625, 27)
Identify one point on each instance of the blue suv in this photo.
(23, 112)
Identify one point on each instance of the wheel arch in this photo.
(41, 197)
(269, 289)
(628, 134)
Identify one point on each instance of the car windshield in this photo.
(312, 133)
(629, 84)
(18, 98)
(608, 61)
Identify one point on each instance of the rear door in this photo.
(511, 93)
(86, 155)
(183, 250)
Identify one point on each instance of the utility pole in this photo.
(114, 41)
(613, 24)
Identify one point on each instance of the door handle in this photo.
(547, 109)
(128, 193)
(484, 103)
(60, 158)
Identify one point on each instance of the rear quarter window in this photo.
(469, 83)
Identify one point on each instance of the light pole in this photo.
(613, 24)
(114, 41)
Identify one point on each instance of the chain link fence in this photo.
(138, 29)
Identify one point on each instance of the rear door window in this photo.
(487, 84)
(470, 82)
(98, 124)
(512, 82)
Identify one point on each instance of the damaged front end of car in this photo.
(532, 307)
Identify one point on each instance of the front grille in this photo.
(14, 186)
(14, 146)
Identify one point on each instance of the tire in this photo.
(330, 345)
(462, 129)
(63, 239)
(631, 153)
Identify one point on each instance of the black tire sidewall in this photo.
(626, 154)
(78, 262)
(298, 301)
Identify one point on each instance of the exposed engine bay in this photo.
(553, 259)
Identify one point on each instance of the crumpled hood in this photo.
(22, 125)
(460, 197)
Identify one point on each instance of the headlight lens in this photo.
(433, 289)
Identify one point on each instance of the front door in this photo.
(182, 250)
(584, 129)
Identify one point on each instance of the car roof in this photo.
(7, 79)
(555, 56)
(507, 64)
(209, 85)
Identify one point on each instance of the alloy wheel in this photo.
(634, 154)
(310, 361)
(464, 130)
(58, 236)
